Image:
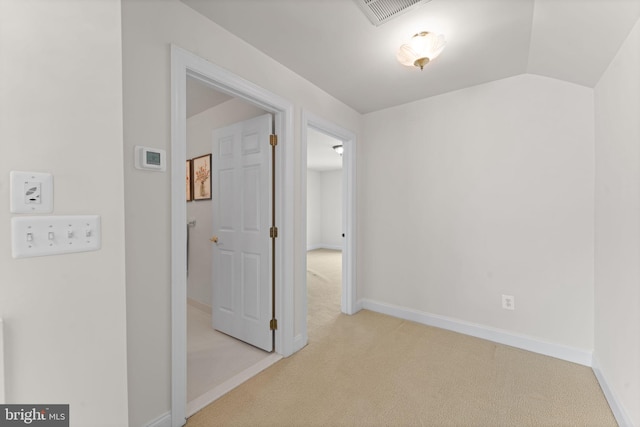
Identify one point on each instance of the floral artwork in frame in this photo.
(189, 183)
(201, 177)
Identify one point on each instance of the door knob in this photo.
(214, 239)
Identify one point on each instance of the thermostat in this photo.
(152, 159)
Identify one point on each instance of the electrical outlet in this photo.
(508, 302)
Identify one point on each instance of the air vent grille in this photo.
(381, 11)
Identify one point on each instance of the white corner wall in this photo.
(324, 210)
(332, 209)
(617, 231)
(61, 112)
(482, 192)
(199, 142)
(314, 210)
(148, 29)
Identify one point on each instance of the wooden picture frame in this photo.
(189, 181)
(201, 177)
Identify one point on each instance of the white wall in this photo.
(332, 209)
(61, 112)
(314, 210)
(324, 209)
(199, 140)
(149, 27)
(482, 192)
(617, 228)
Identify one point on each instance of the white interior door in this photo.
(241, 173)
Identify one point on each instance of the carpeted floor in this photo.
(374, 370)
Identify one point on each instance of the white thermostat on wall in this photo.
(151, 159)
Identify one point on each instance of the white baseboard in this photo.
(619, 412)
(199, 305)
(324, 246)
(162, 421)
(575, 355)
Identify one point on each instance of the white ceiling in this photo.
(332, 44)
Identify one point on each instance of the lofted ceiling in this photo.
(332, 44)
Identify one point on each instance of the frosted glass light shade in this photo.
(422, 48)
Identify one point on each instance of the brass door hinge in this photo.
(273, 140)
(273, 324)
(273, 232)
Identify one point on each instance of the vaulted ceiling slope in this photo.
(333, 45)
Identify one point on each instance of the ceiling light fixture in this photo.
(338, 149)
(422, 48)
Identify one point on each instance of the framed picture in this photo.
(201, 167)
(189, 183)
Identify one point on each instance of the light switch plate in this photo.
(33, 236)
(31, 192)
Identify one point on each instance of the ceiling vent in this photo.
(381, 11)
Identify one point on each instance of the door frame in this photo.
(183, 64)
(309, 120)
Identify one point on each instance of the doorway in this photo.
(216, 362)
(185, 64)
(315, 127)
(324, 229)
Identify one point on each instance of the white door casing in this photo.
(349, 303)
(183, 64)
(241, 177)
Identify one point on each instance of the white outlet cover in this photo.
(18, 199)
(508, 302)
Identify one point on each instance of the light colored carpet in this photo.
(374, 370)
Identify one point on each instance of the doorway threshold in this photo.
(217, 392)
